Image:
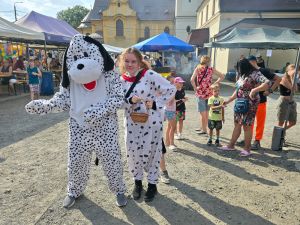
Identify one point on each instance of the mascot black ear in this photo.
(108, 61)
(65, 77)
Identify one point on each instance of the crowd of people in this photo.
(32, 67)
(151, 99)
(253, 85)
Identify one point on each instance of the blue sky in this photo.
(46, 7)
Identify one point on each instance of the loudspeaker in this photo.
(278, 138)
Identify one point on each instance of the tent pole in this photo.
(163, 58)
(296, 69)
(294, 82)
(214, 63)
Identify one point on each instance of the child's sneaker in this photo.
(164, 176)
(173, 148)
(179, 137)
(217, 143)
(209, 143)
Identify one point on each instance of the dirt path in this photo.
(207, 186)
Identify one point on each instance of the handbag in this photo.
(137, 117)
(241, 105)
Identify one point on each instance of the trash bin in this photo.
(47, 84)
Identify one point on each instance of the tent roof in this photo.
(113, 49)
(13, 32)
(290, 23)
(56, 31)
(163, 42)
(265, 38)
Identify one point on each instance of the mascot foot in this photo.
(121, 200)
(137, 191)
(150, 193)
(68, 202)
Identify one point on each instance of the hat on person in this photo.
(178, 80)
(251, 58)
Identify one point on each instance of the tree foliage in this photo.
(73, 16)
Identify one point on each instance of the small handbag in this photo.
(137, 117)
(241, 105)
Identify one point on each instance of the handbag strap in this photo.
(202, 76)
(137, 78)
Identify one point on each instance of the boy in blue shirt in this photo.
(33, 74)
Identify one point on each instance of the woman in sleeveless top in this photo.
(6, 69)
(285, 89)
(201, 81)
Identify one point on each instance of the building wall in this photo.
(156, 27)
(181, 25)
(185, 15)
(133, 27)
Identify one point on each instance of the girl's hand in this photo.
(136, 99)
(149, 104)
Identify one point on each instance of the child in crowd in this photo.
(170, 115)
(33, 74)
(215, 115)
(180, 106)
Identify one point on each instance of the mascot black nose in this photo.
(80, 66)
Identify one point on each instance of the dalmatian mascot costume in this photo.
(92, 92)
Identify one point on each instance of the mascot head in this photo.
(85, 60)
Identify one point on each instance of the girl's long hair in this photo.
(288, 68)
(245, 68)
(143, 64)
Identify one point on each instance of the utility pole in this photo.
(15, 10)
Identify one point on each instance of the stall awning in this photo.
(13, 32)
(198, 37)
(258, 38)
(56, 31)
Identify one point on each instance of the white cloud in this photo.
(46, 7)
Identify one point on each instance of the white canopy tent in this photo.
(113, 49)
(13, 32)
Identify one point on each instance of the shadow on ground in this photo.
(224, 211)
(225, 166)
(17, 125)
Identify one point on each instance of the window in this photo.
(213, 7)
(146, 32)
(119, 4)
(188, 29)
(190, 1)
(201, 17)
(167, 30)
(206, 13)
(119, 28)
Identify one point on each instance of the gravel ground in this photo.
(207, 186)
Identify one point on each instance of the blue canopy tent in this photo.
(163, 42)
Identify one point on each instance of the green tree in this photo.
(73, 16)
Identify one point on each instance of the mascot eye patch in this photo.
(75, 57)
(85, 54)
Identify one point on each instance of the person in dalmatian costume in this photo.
(92, 92)
(143, 140)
